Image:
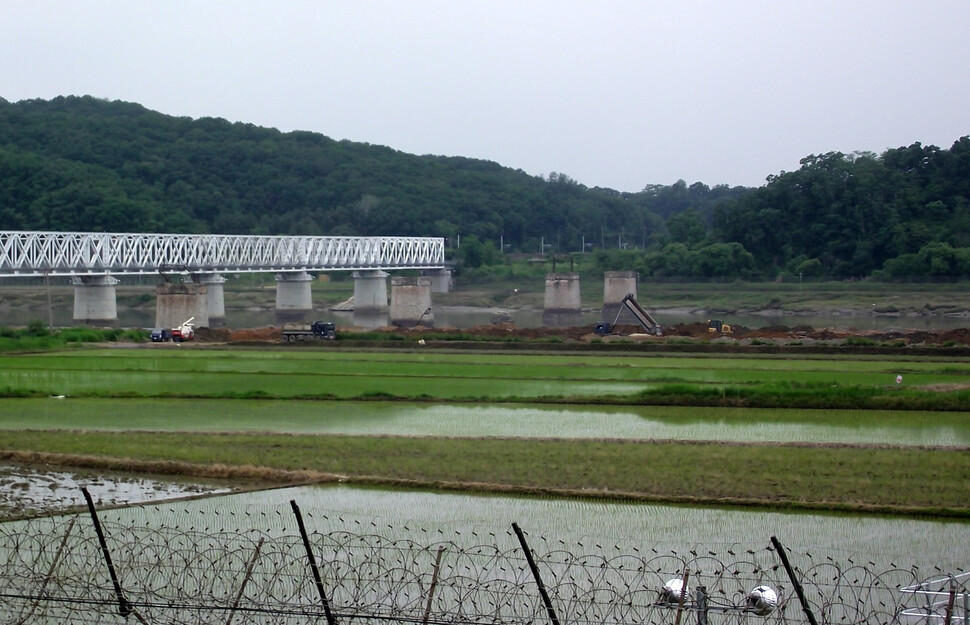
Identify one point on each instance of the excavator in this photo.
(716, 326)
(629, 302)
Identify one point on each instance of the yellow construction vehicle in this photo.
(715, 326)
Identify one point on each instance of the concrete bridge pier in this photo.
(94, 300)
(215, 298)
(411, 302)
(294, 301)
(176, 303)
(440, 279)
(562, 305)
(616, 286)
(370, 293)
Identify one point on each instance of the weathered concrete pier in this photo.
(370, 292)
(178, 302)
(440, 279)
(94, 300)
(562, 305)
(616, 286)
(215, 298)
(411, 302)
(294, 299)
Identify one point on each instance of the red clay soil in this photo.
(779, 334)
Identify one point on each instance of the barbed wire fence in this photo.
(215, 569)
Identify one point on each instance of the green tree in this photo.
(687, 228)
(473, 253)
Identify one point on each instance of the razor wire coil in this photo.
(54, 571)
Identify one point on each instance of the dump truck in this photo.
(629, 302)
(317, 331)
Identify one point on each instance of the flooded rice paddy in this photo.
(577, 525)
(580, 526)
(492, 420)
(440, 516)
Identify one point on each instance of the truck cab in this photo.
(324, 329)
(160, 335)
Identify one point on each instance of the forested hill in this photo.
(80, 163)
(906, 211)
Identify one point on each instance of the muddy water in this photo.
(29, 491)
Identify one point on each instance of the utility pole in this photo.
(50, 307)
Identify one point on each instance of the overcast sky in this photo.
(617, 94)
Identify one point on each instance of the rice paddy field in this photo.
(381, 551)
(858, 463)
(346, 374)
(600, 527)
(480, 419)
(880, 434)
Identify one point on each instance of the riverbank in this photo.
(859, 304)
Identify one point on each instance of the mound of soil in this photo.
(699, 331)
(269, 334)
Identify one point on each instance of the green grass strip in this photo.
(882, 479)
(568, 378)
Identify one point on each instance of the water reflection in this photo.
(492, 420)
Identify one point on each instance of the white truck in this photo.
(184, 331)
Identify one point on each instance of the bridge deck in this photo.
(82, 253)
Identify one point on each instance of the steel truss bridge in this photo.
(27, 254)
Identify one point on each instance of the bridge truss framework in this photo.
(32, 253)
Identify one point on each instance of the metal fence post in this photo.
(702, 605)
(535, 574)
(313, 564)
(683, 594)
(434, 584)
(794, 580)
(950, 600)
(242, 587)
(124, 607)
(966, 606)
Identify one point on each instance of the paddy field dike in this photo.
(855, 431)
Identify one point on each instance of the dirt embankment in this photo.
(778, 335)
